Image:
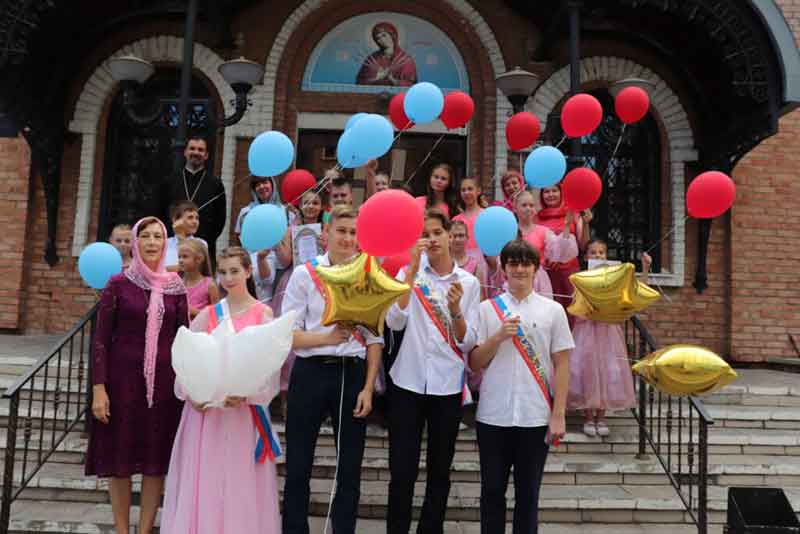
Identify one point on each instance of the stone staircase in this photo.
(590, 484)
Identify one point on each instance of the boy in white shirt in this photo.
(334, 374)
(523, 347)
(185, 222)
(428, 384)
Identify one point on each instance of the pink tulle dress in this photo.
(214, 485)
(600, 375)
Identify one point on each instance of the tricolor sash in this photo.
(312, 271)
(267, 445)
(526, 351)
(423, 293)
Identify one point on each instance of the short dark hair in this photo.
(341, 182)
(520, 251)
(197, 137)
(179, 208)
(439, 215)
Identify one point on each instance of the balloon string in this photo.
(614, 154)
(674, 227)
(427, 156)
(563, 138)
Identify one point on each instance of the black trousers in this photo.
(314, 392)
(502, 448)
(409, 412)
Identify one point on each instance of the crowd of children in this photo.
(467, 321)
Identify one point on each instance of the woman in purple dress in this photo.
(136, 413)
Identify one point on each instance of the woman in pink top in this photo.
(215, 485)
(555, 216)
(441, 191)
(512, 182)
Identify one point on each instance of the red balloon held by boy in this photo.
(295, 183)
(388, 223)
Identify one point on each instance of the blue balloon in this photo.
(346, 153)
(495, 227)
(373, 136)
(545, 167)
(354, 119)
(270, 154)
(264, 226)
(97, 263)
(423, 103)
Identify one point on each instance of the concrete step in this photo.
(86, 518)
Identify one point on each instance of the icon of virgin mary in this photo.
(390, 64)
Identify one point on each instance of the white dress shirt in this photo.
(264, 286)
(172, 249)
(303, 297)
(426, 363)
(510, 396)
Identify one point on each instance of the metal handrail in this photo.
(57, 373)
(650, 416)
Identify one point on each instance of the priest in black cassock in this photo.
(199, 185)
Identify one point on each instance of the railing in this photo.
(50, 400)
(675, 428)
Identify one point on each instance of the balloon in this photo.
(372, 136)
(632, 104)
(544, 167)
(270, 154)
(495, 227)
(610, 294)
(97, 263)
(685, 370)
(581, 188)
(397, 112)
(581, 115)
(388, 223)
(458, 109)
(346, 151)
(250, 365)
(393, 264)
(359, 292)
(353, 120)
(263, 227)
(710, 194)
(522, 130)
(423, 102)
(295, 183)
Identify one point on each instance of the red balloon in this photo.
(632, 104)
(393, 264)
(581, 115)
(398, 114)
(458, 109)
(581, 188)
(388, 223)
(710, 194)
(295, 183)
(522, 130)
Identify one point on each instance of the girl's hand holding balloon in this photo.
(234, 402)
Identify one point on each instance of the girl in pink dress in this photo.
(196, 273)
(553, 214)
(600, 375)
(441, 191)
(472, 204)
(214, 484)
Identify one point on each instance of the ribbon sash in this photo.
(423, 297)
(526, 351)
(312, 271)
(267, 445)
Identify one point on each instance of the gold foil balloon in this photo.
(610, 294)
(685, 370)
(359, 292)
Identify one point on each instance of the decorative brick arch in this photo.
(672, 116)
(262, 113)
(89, 109)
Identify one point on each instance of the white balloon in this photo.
(197, 361)
(255, 354)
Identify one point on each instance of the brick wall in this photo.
(14, 170)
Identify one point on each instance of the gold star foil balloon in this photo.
(685, 370)
(359, 293)
(610, 294)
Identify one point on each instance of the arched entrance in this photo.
(139, 159)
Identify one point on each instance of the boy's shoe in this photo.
(589, 429)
